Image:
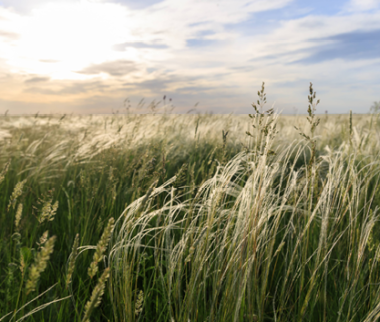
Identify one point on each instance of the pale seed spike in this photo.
(139, 303)
(17, 192)
(96, 296)
(101, 247)
(18, 216)
(40, 264)
(5, 170)
(73, 257)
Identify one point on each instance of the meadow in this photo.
(163, 217)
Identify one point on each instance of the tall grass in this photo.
(190, 218)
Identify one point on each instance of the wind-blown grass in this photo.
(217, 218)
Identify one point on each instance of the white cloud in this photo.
(177, 21)
(301, 33)
(79, 34)
(25, 7)
(362, 5)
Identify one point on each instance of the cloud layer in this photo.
(76, 54)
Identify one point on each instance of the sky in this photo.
(105, 56)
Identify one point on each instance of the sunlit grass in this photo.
(190, 217)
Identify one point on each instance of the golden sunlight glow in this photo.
(61, 39)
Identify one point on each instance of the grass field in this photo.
(190, 217)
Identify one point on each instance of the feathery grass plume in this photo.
(101, 247)
(96, 295)
(139, 303)
(18, 216)
(17, 192)
(73, 257)
(40, 263)
(5, 170)
(48, 211)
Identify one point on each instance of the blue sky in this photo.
(88, 56)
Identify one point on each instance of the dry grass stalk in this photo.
(101, 248)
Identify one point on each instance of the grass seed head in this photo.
(73, 257)
(96, 296)
(18, 216)
(101, 247)
(17, 192)
(43, 238)
(40, 264)
(139, 303)
(48, 211)
(5, 170)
